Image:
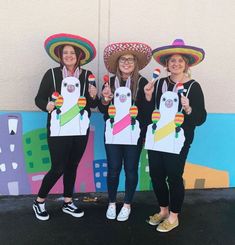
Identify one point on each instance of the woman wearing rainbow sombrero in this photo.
(121, 103)
(67, 93)
(177, 106)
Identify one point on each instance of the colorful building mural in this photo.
(24, 156)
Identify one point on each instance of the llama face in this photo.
(70, 90)
(122, 98)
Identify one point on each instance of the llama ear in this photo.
(164, 87)
(77, 73)
(64, 72)
(116, 83)
(175, 89)
(128, 82)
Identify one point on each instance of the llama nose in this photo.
(122, 98)
(169, 103)
(70, 88)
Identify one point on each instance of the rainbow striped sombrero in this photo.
(54, 42)
(193, 54)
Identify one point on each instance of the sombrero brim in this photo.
(193, 54)
(112, 52)
(53, 43)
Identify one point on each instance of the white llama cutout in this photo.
(164, 139)
(70, 90)
(122, 132)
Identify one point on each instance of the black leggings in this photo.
(66, 153)
(166, 171)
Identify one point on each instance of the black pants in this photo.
(66, 153)
(118, 155)
(166, 171)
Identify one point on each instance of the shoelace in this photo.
(71, 205)
(155, 217)
(42, 207)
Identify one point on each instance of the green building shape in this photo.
(36, 153)
(144, 178)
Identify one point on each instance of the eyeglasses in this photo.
(127, 60)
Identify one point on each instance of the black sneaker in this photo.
(70, 208)
(40, 211)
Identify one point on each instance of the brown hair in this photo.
(78, 54)
(134, 76)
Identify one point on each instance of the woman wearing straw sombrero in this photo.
(177, 106)
(67, 93)
(121, 103)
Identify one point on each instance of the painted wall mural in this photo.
(24, 156)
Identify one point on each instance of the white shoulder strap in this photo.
(84, 88)
(53, 76)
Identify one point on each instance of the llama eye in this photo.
(175, 100)
(117, 94)
(65, 84)
(128, 94)
(164, 99)
(77, 85)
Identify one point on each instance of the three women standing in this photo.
(172, 107)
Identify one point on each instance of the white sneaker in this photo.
(111, 211)
(124, 214)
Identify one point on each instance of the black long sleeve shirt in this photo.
(140, 97)
(196, 101)
(47, 88)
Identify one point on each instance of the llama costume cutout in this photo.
(165, 133)
(69, 118)
(122, 127)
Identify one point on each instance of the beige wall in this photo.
(25, 24)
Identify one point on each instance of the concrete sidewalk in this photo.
(207, 218)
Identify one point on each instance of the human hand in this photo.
(107, 93)
(92, 90)
(185, 104)
(50, 106)
(148, 90)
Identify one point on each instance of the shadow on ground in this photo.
(207, 219)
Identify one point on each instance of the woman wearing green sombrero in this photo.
(176, 103)
(67, 93)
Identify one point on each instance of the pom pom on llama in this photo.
(165, 133)
(70, 118)
(122, 126)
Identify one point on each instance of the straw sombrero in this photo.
(54, 42)
(112, 52)
(193, 54)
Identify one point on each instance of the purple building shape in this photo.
(13, 176)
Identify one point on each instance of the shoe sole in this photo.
(153, 224)
(76, 215)
(110, 217)
(166, 230)
(120, 219)
(40, 217)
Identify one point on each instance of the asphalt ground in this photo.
(207, 218)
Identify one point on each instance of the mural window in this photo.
(12, 125)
